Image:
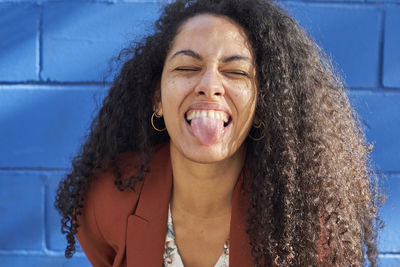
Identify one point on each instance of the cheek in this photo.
(244, 99)
(177, 86)
(182, 85)
(172, 98)
(174, 93)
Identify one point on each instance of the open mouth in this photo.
(211, 114)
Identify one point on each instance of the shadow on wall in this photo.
(78, 47)
(73, 42)
(43, 127)
(18, 42)
(350, 35)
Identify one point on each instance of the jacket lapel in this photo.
(240, 249)
(147, 227)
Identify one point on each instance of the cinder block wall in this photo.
(54, 59)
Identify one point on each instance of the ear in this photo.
(157, 105)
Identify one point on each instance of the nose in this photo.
(210, 84)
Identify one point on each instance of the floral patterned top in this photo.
(171, 253)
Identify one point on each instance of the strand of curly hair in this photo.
(313, 190)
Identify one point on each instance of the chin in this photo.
(209, 154)
(205, 159)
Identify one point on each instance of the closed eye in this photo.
(240, 73)
(186, 69)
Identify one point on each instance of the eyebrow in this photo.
(235, 58)
(191, 53)
(187, 52)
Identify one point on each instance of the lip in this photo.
(208, 106)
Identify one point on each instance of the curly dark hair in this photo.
(312, 183)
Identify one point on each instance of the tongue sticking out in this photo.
(207, 130)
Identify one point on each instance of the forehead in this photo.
(210, 34)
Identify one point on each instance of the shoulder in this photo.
(102, 219)
(110, 207)
(106, 208)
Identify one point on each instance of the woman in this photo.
(226, 135)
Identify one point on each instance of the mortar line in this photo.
(390, 254)
(41, 43)
(338, 3)
(382, 47)
(56, 83)
(44, 213)
(35, 252)
(37, 46)
(32, 169)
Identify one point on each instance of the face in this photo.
(208, 89)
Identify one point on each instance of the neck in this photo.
(204, 190)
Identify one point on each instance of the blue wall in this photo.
(54, 58)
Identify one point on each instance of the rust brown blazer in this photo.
(129, 228)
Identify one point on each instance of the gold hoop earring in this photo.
(152, 122)
(258, 126)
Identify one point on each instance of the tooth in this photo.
(197, 114)
(225, 118)
(217, 115)
(203, 113)
(190, 116)
(211, 114)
